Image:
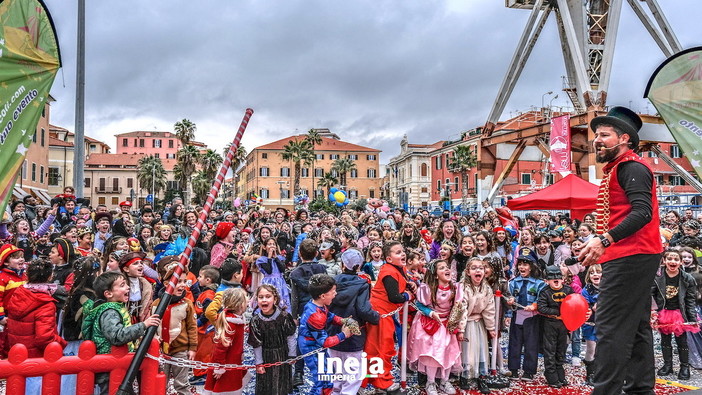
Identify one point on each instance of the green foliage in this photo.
(323, 203)
(358, 204)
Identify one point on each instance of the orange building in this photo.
(33, 174)
(163, 145)
(269, 176)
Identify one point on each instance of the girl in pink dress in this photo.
(435, 333)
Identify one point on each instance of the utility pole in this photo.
(79, 142)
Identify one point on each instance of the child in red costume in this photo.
(390, 291)
(12, 276)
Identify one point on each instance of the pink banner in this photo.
(560, 143)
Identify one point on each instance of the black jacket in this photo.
(300, 279)
(352, 300)
(687, 293)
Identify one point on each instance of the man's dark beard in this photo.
(608, 156)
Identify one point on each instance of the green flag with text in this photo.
(675, 89)
(29, 61)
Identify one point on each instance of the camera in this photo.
(571, 261)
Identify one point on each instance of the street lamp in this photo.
(544, 96)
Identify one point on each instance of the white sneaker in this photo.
(431, 389)
(576, 362)
(447, 388)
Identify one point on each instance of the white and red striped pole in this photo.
(126, 386)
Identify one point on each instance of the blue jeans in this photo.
(576, 342)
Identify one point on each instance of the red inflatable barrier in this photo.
(18, 367)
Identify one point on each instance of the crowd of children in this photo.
(287, 286)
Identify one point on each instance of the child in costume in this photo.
(12, 276)
(107, 322)
(271, 264)
(674, 293)
(591, 293)
(389, 293)
(479, 324)
(208, 280)
(433, 339)
(178, 331)
(23, 237)
(352, 300)
(229, 346)
(524, 334)
(374, 260)
(140, 290)
(272, 336)
(314, 320)
(555, 335)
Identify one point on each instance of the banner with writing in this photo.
(559, 143)
(29, 61)
(675, 89)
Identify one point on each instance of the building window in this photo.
(319, 172)
(263, 172)
(304, 192)
(438, 185)
(353, 194)
(652, 154)
(318, 156)
(370, 173)
(371, 193)
(156, 143)
(659, 178)
(115, 201)
(125, 143)
(334, 156)
(448, 160)
(136, 141)
(86, 182)
(93, 147)
(115, 184)
(423, 170)
(354, 173)
(448, 184)
(425, 190)
(437, 159)
(171, 185)
(34, 171)
(157, 155)
(24, 170)
(550, 179)
(170, 156)
(53, 176)
(370, 157)
(101, 200)
(285, 194)
(677, 180)
(141, 143)
(455, 182)
(102, 185)
(285, 172)
(43, 139)
(263, 193)
(525, 179)
(34, 137)
(41, 174)
(675, 152)
(352, 157)
(130, 183)
(334, 173)
(264, 155)
(170, 143)
(305, 172)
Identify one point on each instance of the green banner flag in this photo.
(675, 89)
(29, 61)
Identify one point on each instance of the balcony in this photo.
(110, 190)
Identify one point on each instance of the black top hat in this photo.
(623, 119)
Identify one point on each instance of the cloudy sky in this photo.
(368, 70)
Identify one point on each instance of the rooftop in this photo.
(129, 160)
(328, 144)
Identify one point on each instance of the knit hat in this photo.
(223, 229)
(352, 258)
(6, 250)
(65, 249)
(100, 216)
(130, 258)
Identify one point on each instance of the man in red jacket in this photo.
(628, 247)
(31, 311)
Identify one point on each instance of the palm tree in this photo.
(202, 184)
(298, 152)
(210, 162)
(239, 156)
(187, 158)
(185, 131)
(151, 175)
(343, 166)
(315, 139)
(328, 181)
(462, 161)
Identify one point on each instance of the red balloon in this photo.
(573, 311)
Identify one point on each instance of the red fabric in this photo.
(571, 193)
(429, 325)
(205, 345)
(646, 240)
(231, 380)
(379, 297)
(317, 320)
(31, 321)
(223, 229)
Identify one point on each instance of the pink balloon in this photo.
(573, 311)
(237, 202)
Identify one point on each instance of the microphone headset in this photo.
(612, 147)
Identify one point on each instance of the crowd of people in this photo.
(286, 283)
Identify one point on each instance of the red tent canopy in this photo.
(571, 193)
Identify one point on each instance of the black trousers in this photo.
(624, 357)
(555, 342)
(524, 337)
